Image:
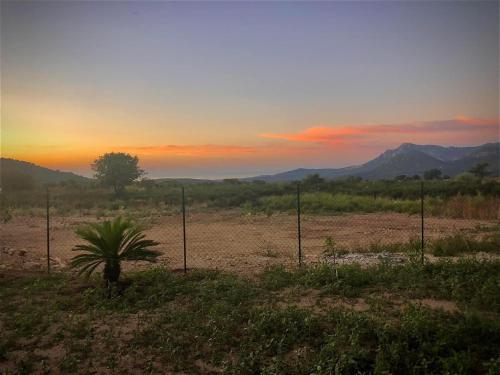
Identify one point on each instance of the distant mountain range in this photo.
(408, 159)
(10, 168)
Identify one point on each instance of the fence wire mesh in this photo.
(245, 235)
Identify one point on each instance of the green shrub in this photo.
(459, 243)
(322, 202)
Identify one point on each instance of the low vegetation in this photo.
(322, 202)
(459, 207)
(460, 243)
(455, 244)
(440, 318)
(456, 198)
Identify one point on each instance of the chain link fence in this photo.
(38, 230)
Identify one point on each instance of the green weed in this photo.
(254, 325)
(460, 243)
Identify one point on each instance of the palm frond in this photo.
(89, 268)
(88, 248)
(81, 259)
(138, 248)
(142, 254)
(110, 242)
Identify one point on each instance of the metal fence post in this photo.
(422, 220)
(48, 230)
(299, 234)
(184, 229)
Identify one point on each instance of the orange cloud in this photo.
(320, 134)
(214, 151)
(189, 150)
(457, 130)
(477, 121)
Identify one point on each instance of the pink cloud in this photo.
(459, 130)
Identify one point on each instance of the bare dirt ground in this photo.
(225, 240)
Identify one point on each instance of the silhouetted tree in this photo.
(313, 182)
(466, 178)
(352, 179)
(231, 181)
(432, 174)
(117, 170)
(148, 184)
(480, 170)
(259, 182)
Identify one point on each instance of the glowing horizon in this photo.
(467, 131)
(322, 84)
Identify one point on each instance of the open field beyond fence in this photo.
(231, 240)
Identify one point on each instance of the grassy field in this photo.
(406, 319)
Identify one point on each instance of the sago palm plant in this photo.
(110, 243)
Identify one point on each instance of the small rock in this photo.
(21, 253)
(33, 265)
(58, 261)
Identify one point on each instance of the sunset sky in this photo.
(230, 89)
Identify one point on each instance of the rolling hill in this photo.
(408, 159)
(31, 173)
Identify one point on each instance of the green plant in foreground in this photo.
(332, 249)
(112, 242)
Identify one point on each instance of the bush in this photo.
(459, 243)
(321, 202)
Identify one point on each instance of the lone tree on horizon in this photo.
(433, 174)
(117, 170)
(480, 170)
